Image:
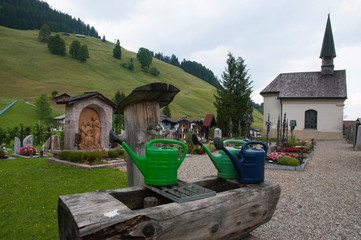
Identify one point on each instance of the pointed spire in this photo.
(328, 45)
(328, 51)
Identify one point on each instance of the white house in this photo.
(314, 99)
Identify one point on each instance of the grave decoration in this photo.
(293, 125)
(268, 124)
(223, 208)
(278, 132)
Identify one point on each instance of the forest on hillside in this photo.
(33, 14)
(191, 67)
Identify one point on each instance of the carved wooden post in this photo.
(141, 115)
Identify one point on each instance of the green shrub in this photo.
(121, 153)
(113, 154)
(292, 142)
(129, 66)
(154, 71)
(284, 160)
(77, 157)
(64, 155)
(92, 156)
(189, 139)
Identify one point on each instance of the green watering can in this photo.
(159, 166)
(221, 161)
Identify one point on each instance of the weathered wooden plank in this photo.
(231, 214)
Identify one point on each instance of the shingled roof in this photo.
(71, 100)
(308, 85)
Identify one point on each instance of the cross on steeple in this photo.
(328, 51)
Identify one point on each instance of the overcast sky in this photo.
(272, 37)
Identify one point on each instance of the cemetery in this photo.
(232, 201)
(180, 178)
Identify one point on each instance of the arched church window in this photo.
(311, 119)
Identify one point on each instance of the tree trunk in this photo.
(139, 118)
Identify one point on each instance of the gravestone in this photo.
(55, 142)
(17, 145)
(217, 133)
(358, 139)
(28, 141)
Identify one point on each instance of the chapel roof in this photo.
(308, 85)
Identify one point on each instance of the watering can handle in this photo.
(233, 141)
(151, 142)
(253, 142)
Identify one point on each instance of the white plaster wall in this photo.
(272, 106)
(329, 113)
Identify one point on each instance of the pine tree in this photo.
(233, 94)
(44, 33)
(74, 49)
(118, 119)
(145, 57)
(83, 54)
(117, 51)
(56, 45)
(166, 111)
(43, 107)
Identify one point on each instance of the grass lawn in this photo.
(29, 190)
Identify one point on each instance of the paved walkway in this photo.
(322, 202)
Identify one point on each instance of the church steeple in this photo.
(328, 51)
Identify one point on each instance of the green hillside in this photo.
(21, 113)
(27, 70)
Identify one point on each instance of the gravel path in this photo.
(322, 202)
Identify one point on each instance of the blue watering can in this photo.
(249, 163)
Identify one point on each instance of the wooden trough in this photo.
(232, 213)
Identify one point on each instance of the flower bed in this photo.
(291, 149)
(273, 156)
(27, 151)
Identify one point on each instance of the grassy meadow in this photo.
(29, 190)
(27, 70)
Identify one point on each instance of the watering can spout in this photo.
(139, 161)
(218, 143)
(216, 159)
